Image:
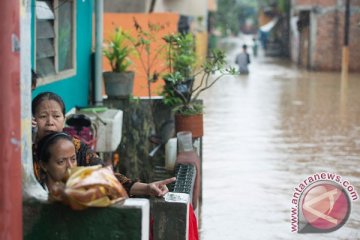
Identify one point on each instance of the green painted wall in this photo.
(46, 221)
(74, 90)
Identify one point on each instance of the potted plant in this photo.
(181, 59)
(185, 81)
(120, 81)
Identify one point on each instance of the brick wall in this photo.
(328, 42)
(354, 39)
(329, 17)
(330, 39)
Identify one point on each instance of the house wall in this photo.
(126, 22)
(75, 90)
(201, 39)
(196, 10)
(330, 40)
(126, 6)
(184, 7)
(327, 33)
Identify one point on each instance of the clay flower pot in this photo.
(192, 123)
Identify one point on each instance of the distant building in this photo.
(274, 30)
(317, 34)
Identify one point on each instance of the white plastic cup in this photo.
(184, 139)
(170, 154)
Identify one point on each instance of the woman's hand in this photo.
(159, 188)
(57, 191)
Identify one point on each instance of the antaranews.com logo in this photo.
(321, 203)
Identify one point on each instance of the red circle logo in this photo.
(326, 206)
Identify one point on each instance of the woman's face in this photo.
(62, 157)
(49, 118)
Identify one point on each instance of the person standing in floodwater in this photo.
(243, 60)
(255, 47)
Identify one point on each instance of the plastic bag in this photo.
(94, 186)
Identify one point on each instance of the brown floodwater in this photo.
(264, 134)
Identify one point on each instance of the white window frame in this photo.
(59, 75)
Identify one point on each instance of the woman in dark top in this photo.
(48, 111)
(57, 155)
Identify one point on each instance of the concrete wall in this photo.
(55, 221)
(184, 7)
(327, 33)
(201, 39)
(139, 123)
(126, 6)
(196, 10)
(171, 219)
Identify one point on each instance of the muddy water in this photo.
(266, 133)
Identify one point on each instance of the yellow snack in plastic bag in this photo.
(94, 186)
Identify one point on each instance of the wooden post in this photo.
(345, 50)
(345, 61)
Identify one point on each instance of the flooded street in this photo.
(264, 134)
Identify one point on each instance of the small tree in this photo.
(181, 94)
(148, 50)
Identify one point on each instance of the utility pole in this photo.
(345, 49)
